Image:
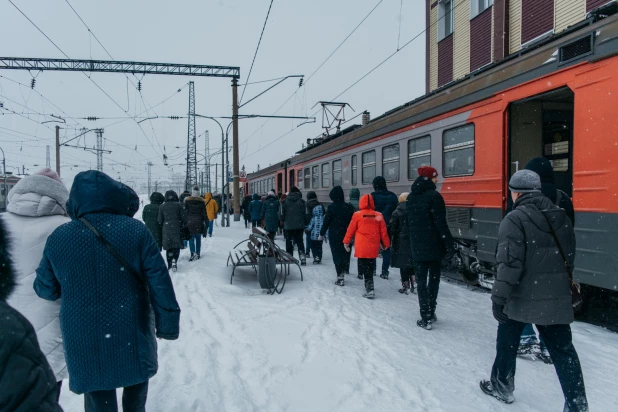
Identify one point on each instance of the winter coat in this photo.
(255, 208)
(544, 169)
(270, 214)
(183, 196)
(150, 216)
(37, 206)
(195, 211)
(336, 222)
(368, 230)
(312, 203)
(212, 207)
(316, 222)
(172, 218)
(430, 237)
(532, 281)
(108, 317)
(293, 212)
(386, 201)
(400, 238)
(245, 208)
(354, 197)
(27, 382)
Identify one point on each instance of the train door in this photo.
(542, 125)
(279, 182)
(291, 181)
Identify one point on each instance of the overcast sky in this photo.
(298, 37)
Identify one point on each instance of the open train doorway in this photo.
(542, 125)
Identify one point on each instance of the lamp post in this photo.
(6, 194)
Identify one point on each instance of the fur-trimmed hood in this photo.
(38, 195)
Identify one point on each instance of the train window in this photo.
(369, 167)
(419, 154)
(354, 171)
(336, 173)
(390, 163)
(458, 151)
(307, 179)
(300, 178)
(315, 177)
(326, 175)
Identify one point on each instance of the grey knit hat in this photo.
(195, 192)
(525, 181)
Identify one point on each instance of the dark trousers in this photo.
(308, 244)
(346, 264)
(133, 399)
(406, 274)
(295, 236)
(560, 346)
(428, 281)
(172, 254)
(247, 223)
(59, 389)
(271, 235)
(256, 223)
(365, 268)
(340, 268)
(316, 248)
(386, 260)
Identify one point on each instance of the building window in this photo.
(315, 177)
(369, 167)
(336, 173)
(445, 19)
(307, 178)
(354, 171)
(479, 6)
(390, 163)
(326, 175)
(458, 155)
(419, 154)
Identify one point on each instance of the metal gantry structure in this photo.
(149, 177)
(99, 133)
(191, 176)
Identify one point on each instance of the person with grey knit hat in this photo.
(532, 286)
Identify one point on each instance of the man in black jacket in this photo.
(26, 379)
(385, 202)
(293, 215)
(430, 240)
(532, 286)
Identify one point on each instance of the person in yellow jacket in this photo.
(211, 210)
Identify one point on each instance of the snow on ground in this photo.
(321, 347)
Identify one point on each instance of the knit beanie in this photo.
(272, 193)
(428, 172)
(195, 192)
(46, 171)
(294, 189)
(525, 181)
(403, 197)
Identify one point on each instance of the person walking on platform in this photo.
(195, 210)
(255, 208)
(314, 227)
(212, 208)
(172, 219)
(246, 214)
(336, 222)
(535, 256)
(400, 245)
(430, 240)
(293, 215)
(312, 202)
(150, 216)
(270, 214)
(385, 202)
(354, 198)
(369, 232)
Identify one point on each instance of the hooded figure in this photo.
(109, 317)
(336, 222)
(354, 197)
(294, 215)
(386, 203)
(270, 214)
(212, 208)
(27, 381)
(245, 210)
(369, 232)
(172, 218)
(255, 208)
(195, 211)
(150, 216)
(400, 244)
(37, 206)
(312, 203)
(313, 228)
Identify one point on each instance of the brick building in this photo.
(465, 35)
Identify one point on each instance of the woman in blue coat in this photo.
(110, 316)
(255, 208)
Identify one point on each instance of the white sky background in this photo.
(298, 37)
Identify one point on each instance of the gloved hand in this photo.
(498, 311)
(320, 238)
(347, 248)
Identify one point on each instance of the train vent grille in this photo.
(458, 217)
(578, 48)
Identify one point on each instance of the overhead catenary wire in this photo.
(256, 51)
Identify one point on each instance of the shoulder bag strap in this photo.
(569, 268)
(113, 251)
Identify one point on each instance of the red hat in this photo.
(428, 172)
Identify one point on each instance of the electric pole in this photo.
(47, 159)
(235, 147)
(207, 159)
(58, 150)
(99, 133)
(149, 166)
(191, 176)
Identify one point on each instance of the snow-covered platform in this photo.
(319, 347)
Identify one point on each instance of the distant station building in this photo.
(11, 181)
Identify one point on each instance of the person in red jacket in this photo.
(369, 231)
